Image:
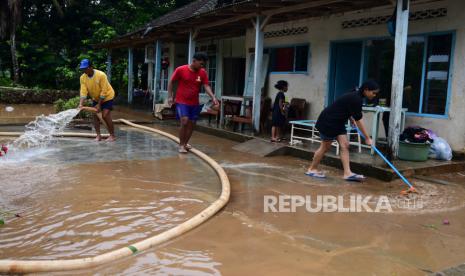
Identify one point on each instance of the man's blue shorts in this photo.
(190, 111)
(105, 105)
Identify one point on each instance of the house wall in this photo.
(313, 86)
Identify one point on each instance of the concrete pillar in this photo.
(157, 72)
(109, 65)
(130, 74)
(257, 93)
(150, 76)
(398, 70)
(219, 69)
(192, 37)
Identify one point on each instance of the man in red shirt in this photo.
(190, 78)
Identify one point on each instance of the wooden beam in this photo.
(227, 21)
(270, 12)
(302, 6)
(253, 23)
(397, 91)
(265, 21)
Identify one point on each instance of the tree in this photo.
(55, 34)
(10, 18)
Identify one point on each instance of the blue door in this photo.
(346, 58)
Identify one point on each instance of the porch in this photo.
(244, 39)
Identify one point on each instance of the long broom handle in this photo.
(387, 161)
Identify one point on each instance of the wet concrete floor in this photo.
(243, 240)
(88, 198)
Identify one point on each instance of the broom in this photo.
(411, 188)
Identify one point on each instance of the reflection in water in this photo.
(80, 198)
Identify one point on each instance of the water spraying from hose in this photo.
(40, 132)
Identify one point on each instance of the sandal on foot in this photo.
(182, 150)
(355, 178)
(316, 174)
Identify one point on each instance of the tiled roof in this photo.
(195, 8)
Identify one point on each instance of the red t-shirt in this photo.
(189, 83)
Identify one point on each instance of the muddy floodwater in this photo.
(79, 198)
(23, 113)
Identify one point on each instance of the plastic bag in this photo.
(440, 150)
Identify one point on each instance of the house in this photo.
(322, 48)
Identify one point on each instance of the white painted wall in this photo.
(313, 86)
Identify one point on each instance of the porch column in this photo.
(219, 70)
(150, 76)
(257, 93)
(192, 37)
(109, 65)
(130, 74)
(398, 76)
(157, 73)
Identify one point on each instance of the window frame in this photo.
(363, 72)
(163, 82)
(293, 62)
(208, 69)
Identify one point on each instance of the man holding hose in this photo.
(94, 84)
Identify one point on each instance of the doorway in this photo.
(233, 76)
(345, 67)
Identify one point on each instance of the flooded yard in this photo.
(79, 198)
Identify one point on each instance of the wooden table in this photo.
(242, 99)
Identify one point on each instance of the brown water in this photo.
(23, 113)
(243, 240)
(79, 198)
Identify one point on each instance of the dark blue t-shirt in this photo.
(332, 121)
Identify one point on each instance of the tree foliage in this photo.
(56, 34)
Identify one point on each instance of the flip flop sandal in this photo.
(355, 178)
(182, 150)
(316, 175)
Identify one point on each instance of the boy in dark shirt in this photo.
(332, 126)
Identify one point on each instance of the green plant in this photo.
(59, 105)
(6, 82)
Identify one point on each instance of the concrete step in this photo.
(261, 147)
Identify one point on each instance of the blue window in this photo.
(291, 59)
(427, 71)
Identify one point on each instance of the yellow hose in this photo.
(20, 266)
(64, 134)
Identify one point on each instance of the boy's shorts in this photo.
(190, 111)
